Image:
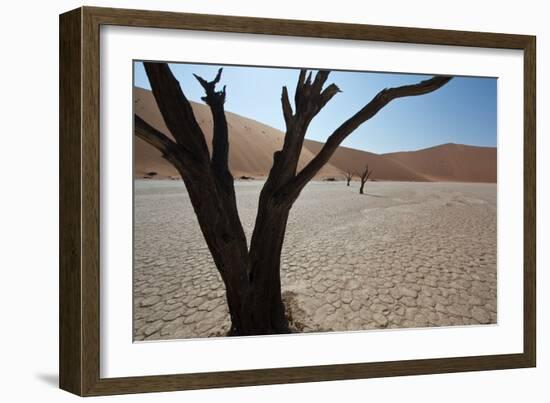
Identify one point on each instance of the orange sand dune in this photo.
(252, 144)
(451, 162)
(349, 159)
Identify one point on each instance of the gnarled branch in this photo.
(287, 108)
(220, 143)
(383, 98)
(212, 96)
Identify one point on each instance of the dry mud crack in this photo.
(403, 255)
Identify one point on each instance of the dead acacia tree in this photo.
(349, 176)
(251, 274)
(365, 175)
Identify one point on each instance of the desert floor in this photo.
(404, 255)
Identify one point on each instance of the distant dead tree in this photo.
(365, 175)
(349, 176)
(251, 274)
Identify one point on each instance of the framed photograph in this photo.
(249, 201)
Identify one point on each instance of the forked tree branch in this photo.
(154, 137)
(176, 109)
(170, 150)
(365, 175)
(383, 98)
(364, 178)
(309, 99)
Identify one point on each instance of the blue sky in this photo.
(464, 111)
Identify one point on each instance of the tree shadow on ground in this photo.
(373, 195)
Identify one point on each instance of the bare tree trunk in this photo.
(364, 178)
(265, 255)
(349, 177)
(251, 275)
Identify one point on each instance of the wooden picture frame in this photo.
(79, 346)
